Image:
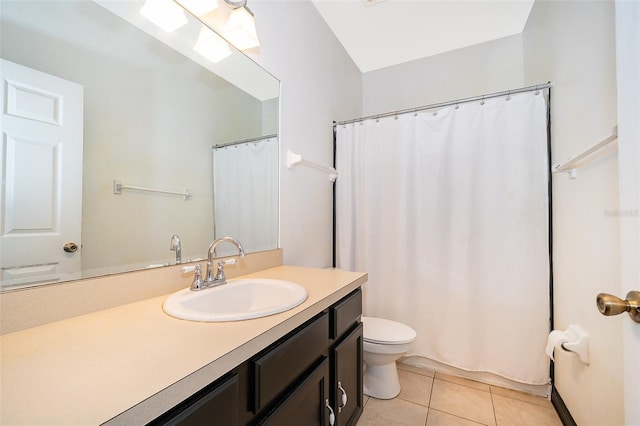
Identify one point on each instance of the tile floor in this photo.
(433, 400)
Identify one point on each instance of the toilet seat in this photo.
(387, 332)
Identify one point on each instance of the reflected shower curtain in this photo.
(448, 213)
(245, 191)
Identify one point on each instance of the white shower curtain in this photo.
(448, 213)
(245, 186)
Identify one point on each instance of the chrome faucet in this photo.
(177, 247)
(210, 280)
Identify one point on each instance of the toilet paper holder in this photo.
(575, 339)
(578, 343)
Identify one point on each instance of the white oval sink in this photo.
(236, 300)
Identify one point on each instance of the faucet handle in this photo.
(197, 282)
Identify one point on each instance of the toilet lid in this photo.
(380, 330)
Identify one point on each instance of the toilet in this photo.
(384, 342)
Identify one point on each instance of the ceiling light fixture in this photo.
(211, 46)
(164, 13)
(240, 28)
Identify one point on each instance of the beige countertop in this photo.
(129, 364)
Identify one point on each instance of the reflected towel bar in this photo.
(294, 160)
(569, 166)
(118, 187)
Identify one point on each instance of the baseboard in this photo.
(561, 408)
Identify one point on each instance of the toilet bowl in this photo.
(384, 342)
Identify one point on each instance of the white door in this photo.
(41, 169)
(628, 80)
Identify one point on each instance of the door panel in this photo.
(41, 160)
(347, 358)
(306, 403)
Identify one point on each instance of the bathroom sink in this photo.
(236, 300)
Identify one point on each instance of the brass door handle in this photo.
(612, 305)
(70, 247)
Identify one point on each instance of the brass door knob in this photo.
(612, 305)
(70, 247)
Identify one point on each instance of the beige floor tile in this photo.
(533, 399)
(464, 382)
(438, 418)
(413, 369)
(365, 399)
(513, 412)
(415, 387)
(462, 401)
(392, 412)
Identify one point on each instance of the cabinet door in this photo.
(217, 404)
(346, 379)
(306, 404)
(280, 367)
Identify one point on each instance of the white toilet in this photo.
(384, 342)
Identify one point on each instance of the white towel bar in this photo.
(294, 160)
(569, 165)
(118, 187)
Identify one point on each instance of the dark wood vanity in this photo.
(301, 379)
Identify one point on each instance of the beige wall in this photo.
(319, 84)
(484, 68)
(573, 45)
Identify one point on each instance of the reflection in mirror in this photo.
(246, 207)
(90, 101)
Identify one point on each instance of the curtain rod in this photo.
(257, 139)
(448, 103)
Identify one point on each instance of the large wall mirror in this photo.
(116, 136)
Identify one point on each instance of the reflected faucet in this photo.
(219, 279)
(177, 247)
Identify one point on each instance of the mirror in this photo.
(148, 110)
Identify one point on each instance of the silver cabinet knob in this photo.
(612, 305)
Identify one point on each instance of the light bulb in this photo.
(240, 29)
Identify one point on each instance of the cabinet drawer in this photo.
(283, 365)
(345, 313)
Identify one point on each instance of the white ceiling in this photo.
(382, 33)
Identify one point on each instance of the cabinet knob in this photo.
(332, 416)
(344, 397)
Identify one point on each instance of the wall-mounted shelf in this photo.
(569, 166)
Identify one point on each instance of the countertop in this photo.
(129, 364)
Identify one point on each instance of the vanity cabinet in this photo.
(311, 376)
